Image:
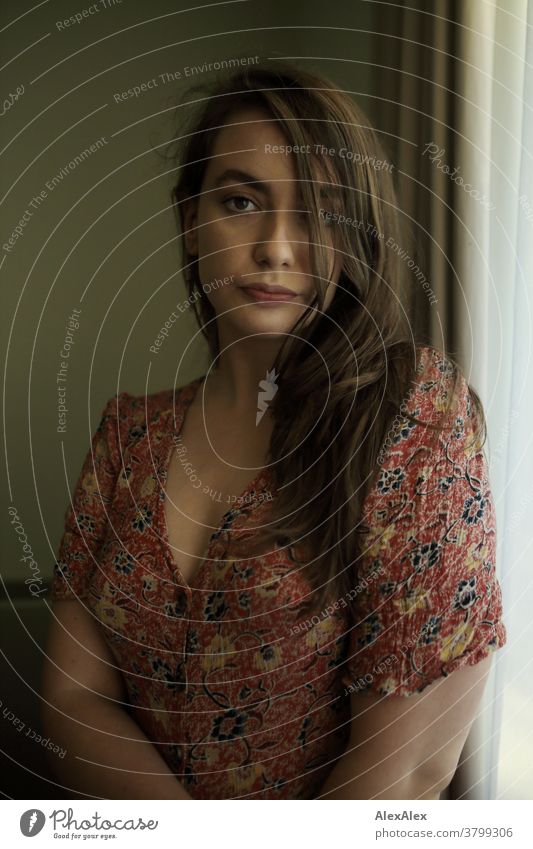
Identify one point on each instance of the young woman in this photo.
(278, 581)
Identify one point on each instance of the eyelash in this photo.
(237, 197)
(243, 197)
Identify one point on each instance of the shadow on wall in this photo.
(25, 751)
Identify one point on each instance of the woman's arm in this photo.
(408, 747)
(107, 754)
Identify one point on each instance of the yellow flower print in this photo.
(166, 720)
(440, 403)
(161, 720)
(124, 481)
(148, 486)
(462, 535)
(454, 645)
(243, 778)
(472, 445)
(388, 686)
(220, 571)
(475, 557)
(426, 472)
(108, 611)
(89, 483)
(266, 658)
(138, 415)
(377, 540)
(415, 598)
(322, 632)
(150, 583)
(211, 755)
(267, 591)
(107, 592)
(217, 653)
(310, 639)
(101, 451)
(154, 702)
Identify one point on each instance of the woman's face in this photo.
(248, 234)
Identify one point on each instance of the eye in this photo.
(238, 198)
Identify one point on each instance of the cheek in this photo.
(216, 255)
(219, 298)
(211, 237)
(220, 230)
(223, 250)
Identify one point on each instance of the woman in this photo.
(262, 565)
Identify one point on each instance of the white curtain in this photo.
(495, 152)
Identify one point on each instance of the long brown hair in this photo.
(329, 423)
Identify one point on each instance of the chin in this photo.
(277, 320)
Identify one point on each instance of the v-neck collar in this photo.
(180, 402)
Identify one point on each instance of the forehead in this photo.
(245, 144)
(256, 124)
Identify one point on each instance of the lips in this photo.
(260, 295)
(266, 292)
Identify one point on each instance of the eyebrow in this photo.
(238, 176)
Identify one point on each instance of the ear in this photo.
(188, 213)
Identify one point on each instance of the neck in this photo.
(242, 377)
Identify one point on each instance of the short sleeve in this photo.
(86, 516)
(427, 600)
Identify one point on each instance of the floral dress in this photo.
(243, 696)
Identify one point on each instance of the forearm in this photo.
(107, 753)
(370, 781)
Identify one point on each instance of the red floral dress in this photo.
(242, 695)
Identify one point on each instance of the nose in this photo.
(277, 239)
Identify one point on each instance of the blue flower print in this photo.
(425, 556)
(406, 428)
(142, 520)
(445, 483)
(215, 607)
(176, 609)
(466, 595)
(137, 431)
(63, 569)
(244, 600)
(473, 509)
(86, 523)
(173, 678)
(390, 479)
(430, 629)
(124, 562)
(371, 628)
(446, 367)
(230, 725)
(458, 428)
(387, 588)
(191, 641)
